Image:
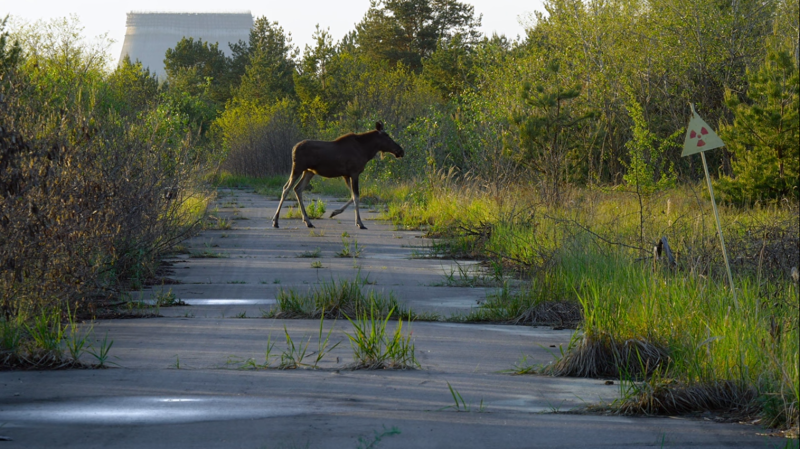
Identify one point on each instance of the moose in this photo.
(346, 157)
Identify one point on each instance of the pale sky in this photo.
(297, 17)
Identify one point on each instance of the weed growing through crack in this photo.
(374, 348)
(350, 248)
(316, 264)
(293, 356)
(251, 363)
(168, 299)
(323, 344)
(523, 367)
(377, 438)
(313, 233)
(316, 253)
(207, 254)
(214, 222)
(77, 342)
(460, 405)
(101, 354)
(315, 210)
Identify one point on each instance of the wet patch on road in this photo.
(137, 410)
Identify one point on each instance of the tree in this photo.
(547, 132)
(198, 67)
(270, 67)
(764, 134)
(647, 167)
(10, 53)
(449, 68)
(312, 81)
(131, 88)
(198, 81)
(406, 31)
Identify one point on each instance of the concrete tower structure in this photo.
(150, 34)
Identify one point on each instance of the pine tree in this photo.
(765, 133)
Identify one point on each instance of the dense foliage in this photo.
(96, 168)
(597, 92)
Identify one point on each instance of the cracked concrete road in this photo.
(177, 381)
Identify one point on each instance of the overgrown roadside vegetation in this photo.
(98, 178)
(675, 328)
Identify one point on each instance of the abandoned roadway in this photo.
(178, 380)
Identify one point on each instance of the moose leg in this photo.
(298, 190)
(341, 209)
(354, 190)
(286, 188)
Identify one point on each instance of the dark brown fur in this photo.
(346, 157)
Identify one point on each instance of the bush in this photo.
(259, 139)
(90, 196)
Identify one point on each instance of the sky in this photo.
(298, 17)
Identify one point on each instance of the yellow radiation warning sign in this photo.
(699, 136)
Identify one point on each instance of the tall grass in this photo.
(687, 328)
(677, 328)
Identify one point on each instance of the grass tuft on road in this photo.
(338, 298)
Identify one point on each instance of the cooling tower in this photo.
(150, 34)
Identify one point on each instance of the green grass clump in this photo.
(336, 299)
(374, 347)
(50, 338)
(315, 210)
(311, 254)
(350, 248)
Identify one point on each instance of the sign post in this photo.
(700, 138)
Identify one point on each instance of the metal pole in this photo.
(719, 229)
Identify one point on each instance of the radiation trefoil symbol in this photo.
(699, 136)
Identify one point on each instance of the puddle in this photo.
(227, 302)
(158, 410)
(531, 405)
(387, 256)
(528, 331)
(459, 302)
(222, 302)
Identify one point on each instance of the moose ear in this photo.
(379, 126)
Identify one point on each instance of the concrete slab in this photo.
(178, 380)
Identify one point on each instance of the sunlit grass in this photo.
(679, 328)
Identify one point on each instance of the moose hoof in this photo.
(275, 224)
(361, 226)
(309, 225)
(335, 213)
